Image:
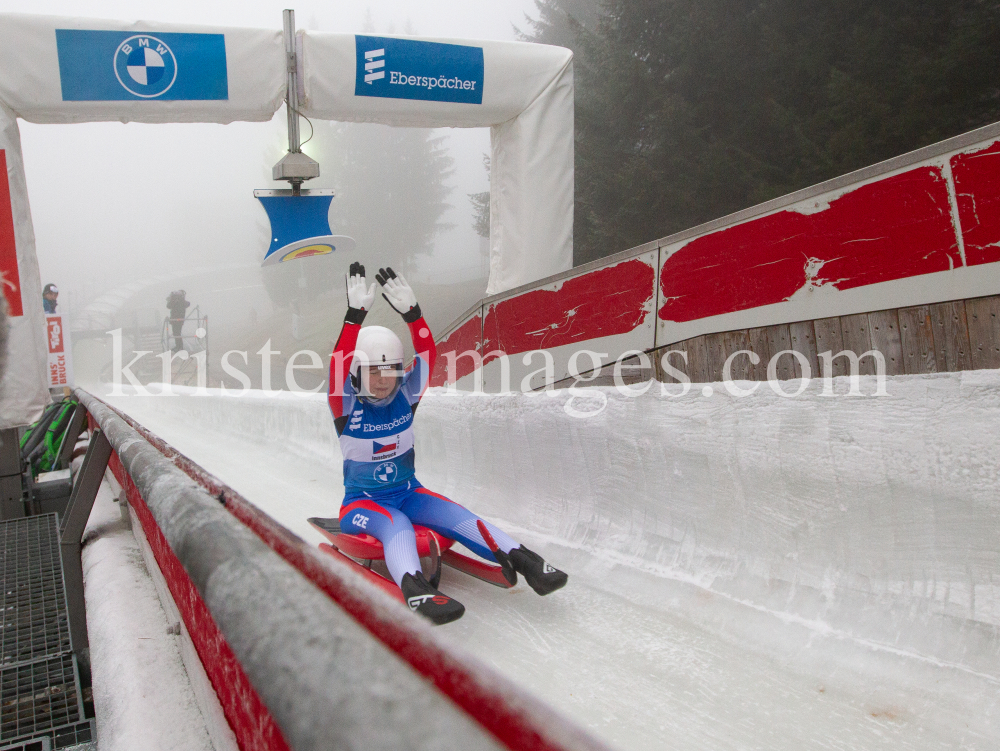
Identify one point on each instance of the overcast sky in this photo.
(114, 202)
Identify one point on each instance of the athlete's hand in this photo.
(398, 294)
(358, 297)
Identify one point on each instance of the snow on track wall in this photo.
(867, 518)
(872, 517)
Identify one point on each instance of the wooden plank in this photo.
(779, 339)
(857, 339)
(655, 356)
(983, 316)
(883, 327)
(697, 351)
(759, 346)
(951, 336)
(803, 335)
(734, 341)
(917, 340)
(715, 347)
(676, 361)
(830, 338)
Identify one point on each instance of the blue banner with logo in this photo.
(411, 69)
(101, 66)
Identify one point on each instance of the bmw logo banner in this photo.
(124, 65)
(413, 69)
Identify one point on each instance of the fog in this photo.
(123, 214)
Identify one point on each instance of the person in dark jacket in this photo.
(177, 304)
(50, 297)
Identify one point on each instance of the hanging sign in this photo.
(60, 356)
(300, 225)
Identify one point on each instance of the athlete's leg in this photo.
(389, 526)
(433, 510)
(393, 529)
(443, 515)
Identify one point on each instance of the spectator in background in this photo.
(177, 304)
(50, 297)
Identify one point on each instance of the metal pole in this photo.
(71, 436)
(292, 96)
(295, 167)
(81, 501)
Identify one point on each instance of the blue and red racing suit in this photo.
(382, 495)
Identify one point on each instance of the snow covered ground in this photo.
(745, 573)
(143, 682)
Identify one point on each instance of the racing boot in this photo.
(541, 577)
(506, 566)
(426, 600)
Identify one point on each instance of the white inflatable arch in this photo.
(71, 70)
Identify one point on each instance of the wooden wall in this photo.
(944, 337)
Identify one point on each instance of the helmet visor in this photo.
(381, 382)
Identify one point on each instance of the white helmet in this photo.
(380, 348)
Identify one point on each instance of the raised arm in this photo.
(400, 296)
(423, 363)
(341, 393)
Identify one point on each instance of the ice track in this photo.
(753, 573)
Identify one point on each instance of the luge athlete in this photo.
(373, 401)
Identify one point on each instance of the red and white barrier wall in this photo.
(918, 229)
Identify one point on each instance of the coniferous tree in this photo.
(390, 196)
(687, 110)
(390, 184)
(481, 205)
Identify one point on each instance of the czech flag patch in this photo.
(381, 448)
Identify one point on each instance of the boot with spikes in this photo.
(541, 576)
(426, 600)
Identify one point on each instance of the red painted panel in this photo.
(463, 339)
(977, 188)
(252, 724)
(10, 279)
(608, 301)
(893, 228)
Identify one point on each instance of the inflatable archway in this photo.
(71, 70)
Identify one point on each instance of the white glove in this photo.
(358, 297)
(398, 293)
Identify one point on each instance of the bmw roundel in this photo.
(385, 472)
(145, 66)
